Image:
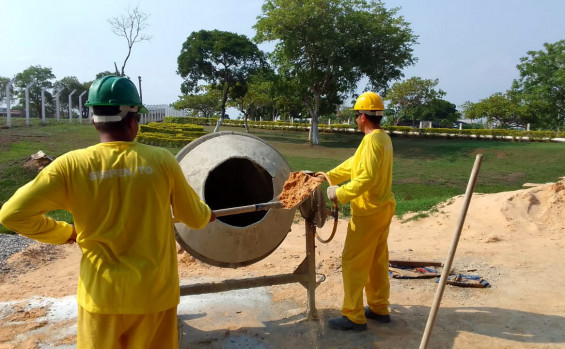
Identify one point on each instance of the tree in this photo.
(219, 58)
(3, 82)
(438, 110)
(130, 26)
(407, 96)
(287, 98)
(66, 85)
(542, 83)
(255, 95)
(389, 116)
(327, 46)
(204, 103)
(345, 115)
(103, 74)
(42, 79)
(499, 108)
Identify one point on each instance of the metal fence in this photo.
(157, 112)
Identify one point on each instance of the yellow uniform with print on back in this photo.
(120, 195)
(365, 254)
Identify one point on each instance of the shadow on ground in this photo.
(483, 327)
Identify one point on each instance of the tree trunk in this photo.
(397, 120)
(245, 117)
(313, 136)
(224, 100)
(125, 61)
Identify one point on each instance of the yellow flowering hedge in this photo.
(192, 127)
(168, 134)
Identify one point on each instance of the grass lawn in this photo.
(426, 171)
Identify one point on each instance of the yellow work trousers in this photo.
(365, 264)
(120, 331)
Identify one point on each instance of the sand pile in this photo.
(539, 205)
(297, 188)
(38, 161)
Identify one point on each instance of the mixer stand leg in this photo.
(311, 262)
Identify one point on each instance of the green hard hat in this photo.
(113, 90)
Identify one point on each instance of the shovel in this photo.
(248, 208)
(288, 202)
(267, 205)
(243, 209)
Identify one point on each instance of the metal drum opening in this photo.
(238, 182)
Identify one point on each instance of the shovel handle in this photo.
(249, 208)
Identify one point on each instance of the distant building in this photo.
(4, 112)
(418, 123)
(461, 124)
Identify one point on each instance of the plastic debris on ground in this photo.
(461, 280)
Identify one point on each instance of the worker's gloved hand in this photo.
(308, 172)
(321, 175)
(332, 192)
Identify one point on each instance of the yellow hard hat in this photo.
(370, 102)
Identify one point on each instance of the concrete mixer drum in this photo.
(230, 169)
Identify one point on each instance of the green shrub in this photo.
(164, 140)
(189, 120)
(541, 136)
(403, 129)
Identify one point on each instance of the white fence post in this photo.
(43, 105)
(57, 104)
(27, 102)
(80, 106)
(71, 106)
(8, 98)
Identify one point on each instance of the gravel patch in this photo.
(10, 244)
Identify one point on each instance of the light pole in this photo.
(80, 106)
(140, 95)
(8, 98)
(71, 106)
(27, 102)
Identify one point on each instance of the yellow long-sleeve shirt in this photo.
(370, 173)
(120, 195)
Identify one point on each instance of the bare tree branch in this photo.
(130, 26)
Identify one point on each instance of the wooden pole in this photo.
(451, 254)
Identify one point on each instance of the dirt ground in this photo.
(514, 240)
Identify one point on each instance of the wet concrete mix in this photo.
(297, 188)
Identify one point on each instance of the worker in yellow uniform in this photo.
(365, 254)
(122, 195)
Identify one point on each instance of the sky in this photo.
(472, 47)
